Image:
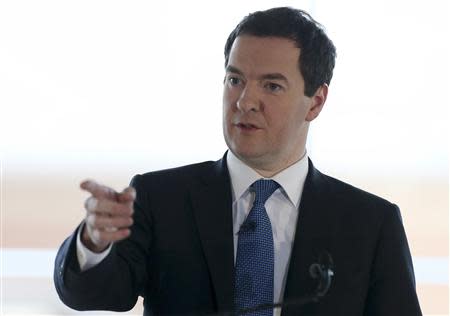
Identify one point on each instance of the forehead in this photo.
(253, 54)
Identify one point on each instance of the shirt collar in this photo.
(291, 179)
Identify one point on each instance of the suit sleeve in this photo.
(117, 281)
(392, 289)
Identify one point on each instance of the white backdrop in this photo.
(107, 89)
(138, 84)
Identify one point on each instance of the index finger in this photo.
(98, 190)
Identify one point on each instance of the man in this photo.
(213, 237)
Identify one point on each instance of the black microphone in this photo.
(247, 226)
(322, 271)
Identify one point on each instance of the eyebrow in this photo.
(270, 76)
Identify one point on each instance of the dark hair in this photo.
(317, 55)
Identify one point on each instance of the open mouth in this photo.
(246, 126)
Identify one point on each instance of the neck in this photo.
(270, 170)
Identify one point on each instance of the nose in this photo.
(248, 100)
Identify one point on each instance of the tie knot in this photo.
(264, 189)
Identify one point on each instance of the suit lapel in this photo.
(211, 201)
(311, 239)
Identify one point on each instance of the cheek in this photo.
(227, 104)
(225, 96)
(285, 123)
(226, 112)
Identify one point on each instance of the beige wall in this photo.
(41, 210)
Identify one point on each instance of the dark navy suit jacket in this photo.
(179, 256)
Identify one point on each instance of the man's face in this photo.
(265, 112)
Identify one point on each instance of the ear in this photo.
(317, 102)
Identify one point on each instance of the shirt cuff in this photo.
(86, 258)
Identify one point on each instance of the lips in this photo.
(246, 126)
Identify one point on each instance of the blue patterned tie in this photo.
(254, 259)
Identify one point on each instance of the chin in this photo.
(245, 149)
(246, 154)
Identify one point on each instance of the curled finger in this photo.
(114, 208)
(106, 222)
(106, 236)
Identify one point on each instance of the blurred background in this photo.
(108, 89)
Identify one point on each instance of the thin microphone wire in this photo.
(322, 271)
(299, 301)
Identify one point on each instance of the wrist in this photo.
(86, 240)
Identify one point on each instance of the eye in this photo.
(273, 87)
(234, 81)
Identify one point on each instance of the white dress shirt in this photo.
(282, 209)
(86, 258)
